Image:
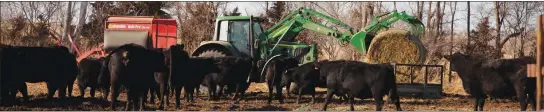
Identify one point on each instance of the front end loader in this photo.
(244, 36)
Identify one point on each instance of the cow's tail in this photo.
(393, 93)
(104, 76)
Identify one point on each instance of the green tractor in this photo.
(244, 36)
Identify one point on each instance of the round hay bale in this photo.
(395, 46)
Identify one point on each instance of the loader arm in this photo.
(301, 19)
(379, 23)
(288, 28)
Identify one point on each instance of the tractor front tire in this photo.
(212, 53)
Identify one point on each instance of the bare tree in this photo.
(369, 13)
(453, 9)
(81, 21)
(67, 24)
(500, 14)
(468, 48)
(419, 11)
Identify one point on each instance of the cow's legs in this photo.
(328, 99)
(279, 93)
(167, 94)
(197, 90)
(114, 95)
(220, 92)
(70, 88)
(152, 91)
(270, 92)
(350, 101)
(81, 90)
(288, 89)
(189, 91)
(105, 92)
(50, 90)
(394, 96)
(313, 95)
(237, 90)
(211, 92)
(162, 92)
(62, 91)
(141, 97)
(299, 95)
(177, 94)
(130, 97)
(532, 100)
(476, 99)
(379, 101)
(522, 101)
(92, 91)
(481, 103)
(24, 92)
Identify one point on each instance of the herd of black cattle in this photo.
(160, 72)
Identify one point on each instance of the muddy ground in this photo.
(256, 100)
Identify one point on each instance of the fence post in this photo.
(539, 62)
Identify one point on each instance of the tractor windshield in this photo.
(257, 29)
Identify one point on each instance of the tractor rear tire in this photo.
(212, 53)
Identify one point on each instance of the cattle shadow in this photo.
(268, 108)
(40, 102)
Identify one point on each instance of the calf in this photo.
(131, 66)
(187, 73)
(362, 80)
(273, 76)
(89, 69)
(307, 74)
(305, 77)
(233, 73)
(496, 78)
(161, 77)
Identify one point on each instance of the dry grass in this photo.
(255, 101)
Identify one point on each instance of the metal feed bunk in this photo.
(420, 90)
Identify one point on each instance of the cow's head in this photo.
(461, 61)
(288, 63)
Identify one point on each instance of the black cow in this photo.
(497, 78)
(274, 71)
(187, 72)
(160, 89)
(89, 69)
(233, 73)
(362, 80)
(53, 65)
(131, 66)
(305, 77)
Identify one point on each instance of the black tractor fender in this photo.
(223, 46)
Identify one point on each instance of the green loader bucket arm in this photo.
(377, 24)
(301, 19)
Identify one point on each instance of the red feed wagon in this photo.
(143, 30)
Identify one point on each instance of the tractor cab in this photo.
(233, 36)
(240, 31)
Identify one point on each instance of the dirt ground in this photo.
(256, 98)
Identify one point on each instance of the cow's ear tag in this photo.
(315, 67)
(125, 54)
